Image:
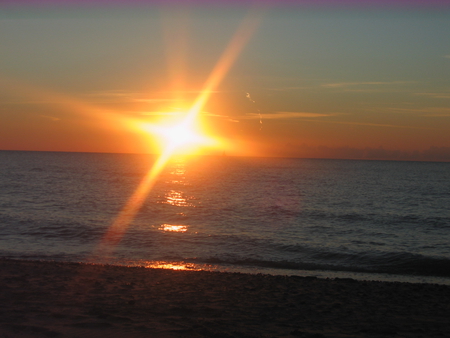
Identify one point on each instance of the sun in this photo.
(180, 136)
(185, 134)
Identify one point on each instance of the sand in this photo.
(48, 299)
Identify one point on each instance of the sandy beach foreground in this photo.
(47, 299)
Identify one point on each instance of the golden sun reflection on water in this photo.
(179, 171)
(173, 266)
(176, 198)
(173, 228)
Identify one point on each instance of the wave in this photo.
(392, 263)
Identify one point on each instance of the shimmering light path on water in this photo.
(244, 214)
(119, 226)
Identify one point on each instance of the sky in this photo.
(315, 79)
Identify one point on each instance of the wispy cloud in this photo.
(437, 112)
(52, 118)
(206, 113)
(112, 92)
(293, 88)
(379, 125)
(174, 112)
(129, 96)
(159, 113)
(284, 115)
(436, 95)
(427, 111)
(369, 124)
(364, 84)
(438, 115)
(155, 100)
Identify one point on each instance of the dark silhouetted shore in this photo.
(47, 299)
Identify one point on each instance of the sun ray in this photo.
(225, 62)
(229, 56)
(116, 230)
(182, 130)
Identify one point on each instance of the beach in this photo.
(52, 299)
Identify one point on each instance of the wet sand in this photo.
(47, 299)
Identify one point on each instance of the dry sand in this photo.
(46, 299)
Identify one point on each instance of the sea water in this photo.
(379, 220)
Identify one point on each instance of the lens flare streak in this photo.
(131, 208)
(134, 203)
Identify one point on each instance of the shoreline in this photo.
(52, 299)
(258, 270)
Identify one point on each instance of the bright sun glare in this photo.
(184, 136)
(179, 137)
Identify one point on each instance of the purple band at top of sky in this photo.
(276, 3)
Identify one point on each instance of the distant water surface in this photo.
(328, 218)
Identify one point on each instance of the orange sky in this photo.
(296, 82)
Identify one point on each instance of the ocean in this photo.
(373, 220)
